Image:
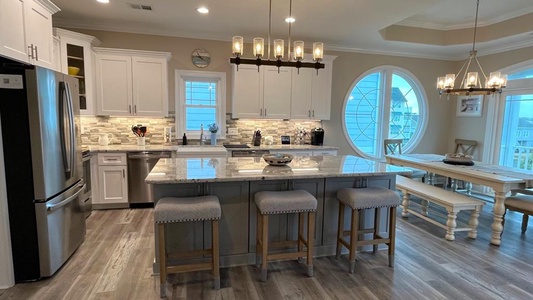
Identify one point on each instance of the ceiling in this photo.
(440, 29)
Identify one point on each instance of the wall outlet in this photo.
(233, 131)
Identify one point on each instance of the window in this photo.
(201, 100)
(384, 102)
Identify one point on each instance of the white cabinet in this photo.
(131, 83)
(112, 188)
(311, 92)
(26, 31)
(261, 94)
(76, 51)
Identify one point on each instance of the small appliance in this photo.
(317, 136)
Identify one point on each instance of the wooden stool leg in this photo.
(264, 262)
(340, 230)
(525, 219)
(258, 239)
(354, 227)
(215, 253)
(301, 221)
(392, 235)
(162, 261)
(310, 242)
(376, 228)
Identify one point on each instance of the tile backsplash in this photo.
(120, 129)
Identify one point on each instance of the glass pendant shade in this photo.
(279, 48)
(449, 81)
(318, 51)
(470, 80)
(440, 82)
(298, 50)
(238, 44)
(259, 47)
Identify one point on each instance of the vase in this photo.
(213, 138)
(141, 141)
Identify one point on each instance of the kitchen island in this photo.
(235, 181)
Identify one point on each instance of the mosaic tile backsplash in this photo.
(120, 129)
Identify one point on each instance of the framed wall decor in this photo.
(469, 106)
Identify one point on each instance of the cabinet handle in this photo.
(309, 113)
(30, 54)
(265, 112)
(261, 112)
(112, 159)
(129, 109)
(135, 109)
(36, 53)
(313, 113)
(123, 173)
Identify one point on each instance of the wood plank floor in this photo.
(115, 262)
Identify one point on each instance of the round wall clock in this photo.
(200, 58)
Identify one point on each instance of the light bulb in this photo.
(298, 50)
(237, 45)
(318, 51)
(259, 47)
(278, 48)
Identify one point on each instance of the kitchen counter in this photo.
(189, 170)
(161, 147)
(235, 180)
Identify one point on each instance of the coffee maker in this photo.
(317, 136)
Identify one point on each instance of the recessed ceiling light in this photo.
(103, 1)
(202, 10)
(290, 20)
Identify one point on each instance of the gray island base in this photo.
(235, 181)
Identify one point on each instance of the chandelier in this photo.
(259, 45)
(471, 83)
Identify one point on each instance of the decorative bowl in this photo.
(459, 157)
(278, 159)
(73, 71)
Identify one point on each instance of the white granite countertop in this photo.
(189, 170)
(160, 147)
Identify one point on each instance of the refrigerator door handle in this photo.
(52, 207)
(72, 130)
(62, 130)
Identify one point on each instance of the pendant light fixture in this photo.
(471, 83)
(296, 60)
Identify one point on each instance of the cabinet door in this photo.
(150, 86)
(247, 92)
(114, 85)
(277, 93)
(12, 36)
(321, 95)
(39, 33)
(112, 184)
(301, 93)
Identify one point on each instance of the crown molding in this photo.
(78, 36)
(51, 7)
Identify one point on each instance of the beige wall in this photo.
(443, 126)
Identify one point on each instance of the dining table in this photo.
(501, 179)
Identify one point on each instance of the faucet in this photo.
(201, 134)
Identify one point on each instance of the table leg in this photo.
(499, 210)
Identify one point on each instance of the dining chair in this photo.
(466, 147)
(521, 203)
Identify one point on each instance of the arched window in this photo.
(384, 102)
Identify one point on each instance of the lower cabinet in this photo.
(112, 178)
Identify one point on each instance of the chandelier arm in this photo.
(480, 68)
(289, 43)
(466, 70)
(269, 26)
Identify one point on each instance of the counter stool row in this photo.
(207, 208)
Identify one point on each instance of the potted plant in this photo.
(213, 128)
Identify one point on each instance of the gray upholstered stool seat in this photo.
(283, 202)
(177, 210)
(172, 210)
(358, 200)
(370, 197)
(523, 204)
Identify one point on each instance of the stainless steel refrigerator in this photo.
(43, 167)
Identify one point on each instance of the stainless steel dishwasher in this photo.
(139, 165)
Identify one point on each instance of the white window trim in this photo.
(423, 108)
(220, 78)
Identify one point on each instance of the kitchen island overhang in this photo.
(235, 181)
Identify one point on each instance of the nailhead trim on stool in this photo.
(358, 200)
(177, 210)
(281, 202)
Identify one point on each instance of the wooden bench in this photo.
(453, 202)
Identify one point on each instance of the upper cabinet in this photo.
(26, 31)
(282, 94)
(131, 82)
(75, 50)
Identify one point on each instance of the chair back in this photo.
(465, 146)
(393, 146)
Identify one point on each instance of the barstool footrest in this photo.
(289, 255)
(189, 254)
(190, 267)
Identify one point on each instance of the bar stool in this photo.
(360, 199)
(194, 209)
(285, 202)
